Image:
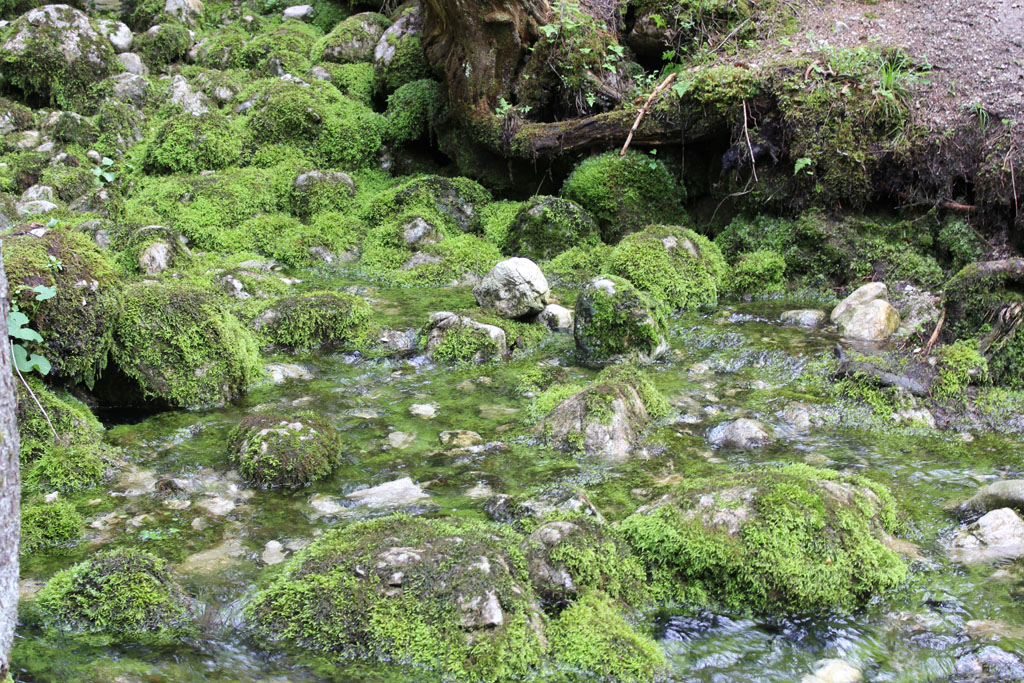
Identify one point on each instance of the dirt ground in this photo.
(975, 49)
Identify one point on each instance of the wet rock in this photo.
(217, 506)
(834, 671)
(425, 411)
(298, 12)
(325, 506)
(798, 415)
(460, 438)
(879, 370)
(514, 288)
(998, 535)
(862, 295)
(133, 64)
(480, 492)
(118, 33)
(807, 317)
(397, 493)
(274, 450)
(1008, 493)
(918, 416)
(614, 320)
(132, 482)
(400, 440)
(990, 664)
(217, 558)
(273, 553)
(741, 433)
(396, 342)
(355, 38)
(39, 207)
(867, 314)
(556, 318)
(455, 337)
(282, 372)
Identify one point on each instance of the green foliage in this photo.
(45, 525)
(163, 45)
(960, 243)
(497, 218)
(335, 597)
(614, 318)
(591, 635)
(288, 451)
(79, 433)
(677, 267)
(960, 364)
(452, 204)
(465, 344)
(183, 347)
(578, 265)
(388, 258)
(189, 144)
(122, 595)
(791, 538)
(355, 81)
(407, 65)
(316, 319)
(545, 227)
(758, 272)
(354, 39)
(412, 108)
(625, 193)
(287, 47)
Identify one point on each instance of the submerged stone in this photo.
(741, 433)
(397, 493)
(998, 535)
(806, 317)
(1008, 493)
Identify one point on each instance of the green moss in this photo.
(959, 242)
(70, 128)
(792, 538)
(69, 182)
(122, 595)
(283, 238)
(614, 318)
(452, 204)
(44, 525)
(354, 39)
(412, 108)
(388, 258)
(43, 71)
(320, 191)
(314, 320)
(163, 45)
(120, 126)
(76, 322)
(465, 344)
(189, 144)
(183, 347)
(289, 451)
(960, 364)
(757, 272)
(286, 48)
(578, 265)
(496, 218)
(547, 226)
(407, 65)
(675, 266)
(355, 81)
(339, 596)
(624, 193)
(222, 48)
(593, 636)
(342, 229)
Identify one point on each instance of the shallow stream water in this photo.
(731, 362)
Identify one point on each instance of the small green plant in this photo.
(103, 173)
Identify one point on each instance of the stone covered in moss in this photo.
(452, 204)
(354, 81)
(54, 53)
(288, 451)
(316, 191)
(792, 539)
(453, 337)
(163, 45)
(544, 227)
(315, 320)
(412, 251)
(757, 272)
(398, 56)
(285, 49)
(613, 320)
(183, 347)
(44, 525)
(450, 596)
(76, 321)
(624, 193)
(122, 595)
(576, 266)
(412, 108)
(189, 144)
(675, 266)
(69, 182)
(354, 39)
(69, 127)
(592, 636)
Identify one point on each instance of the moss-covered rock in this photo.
(189, 144)
(576, 266)
(183, 347)
(122, 595)
(452, 204)
(163, 44)
(677, 267)
(355, 81)
(398, 57)
(69, 182)
(412, 108)
(757, 272)
(613, 320)
(624, 193)
(792, 539)
(354, 39)
(450, 337)
(285, 49)
(221, 48)
(76, 322)
(544, 227)
(316, 191)
(55, 54)
(284, 451)
(450, 596)
(315, 320)
(69, 127)
(44, 525)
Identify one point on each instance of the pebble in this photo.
(400, 440)
(273, 553)
(424, 411)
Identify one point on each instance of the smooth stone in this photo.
(135, 482)
(874, 321)
(480, 492)
(217, 506)
(556, 318)
(35, 208)
(424, 411)
(741, 433)
(513, 288)
(282, 372)
(118, 33)
(220, 556)
(298, 12)
(860, 297)
(460, 438)
(133, 63)
(395, 493)
(999, 535)
(273, 553)
(1008, 493)
(400, 440)
(36, 193)
(805, 317)
(325, 506)
(834, 671)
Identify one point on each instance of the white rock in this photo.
(556, 318)
(400, 440)
(325, 506)
(36, 193)
(298, 12)
(860, 296)
(805, 317)
(395, 493)
(408, 24)
(37, 208)
(133, 63)
(118, 33)
(156, 258)
(281, 372)
(217, 506)
(186, 10)
(191, 101)
(220, 556)
(273, 553)
(741, 433)
(424, 411)
(834, 671)
(999, 535)
(874, 321)
(514, 288)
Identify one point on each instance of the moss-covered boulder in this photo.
(398, 57)
(615, 320)
(452, 337)
(77, 320)
(44, 525)
(316, 191)
(163, 44)
(451, 596)
(412, 109)
(354, 39)
(452, 204)
(284, 451)
(55, 54)
(69, 182)
(183, 346)
(544, 227)
(605, 418)
(757, 272)
(624, 193)
(677, 267)
(315, 320)
(189, 144)
(118, 596)
(791, 539)
(286, 49)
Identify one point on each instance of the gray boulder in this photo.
(998, 535)
(133, 64)
(354, 39)
(515, 288)
(118, 33)
(1008, 493)
(298, 12)
(741, 433)
(867, 314)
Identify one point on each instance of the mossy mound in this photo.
(355, 81)
(544, 227)
(791, 539)
(757, 272)
(149, 249)
(55, 54)
(576, 266)
(450, 596)
(452, 204)
(44, 525)
(284, 49)
(222, 48)
(189, 144)
(183, 347)
(354, 39)
(315, 320)
(403, 61)
(391, 254)
(284, 451)
(675, 266)
(118, 596)
(624, 193)
(614, 319)
(76, 321)
(412, 108)
(286, 239)
(163, 45)
(593, 637)
(69, 182)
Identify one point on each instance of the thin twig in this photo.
(643, 110)
(956, 206)
(935, 335)
(750, 148)
(33, 395)
(1013, 181)
(731, 34)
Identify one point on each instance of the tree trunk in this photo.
(10, 490)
